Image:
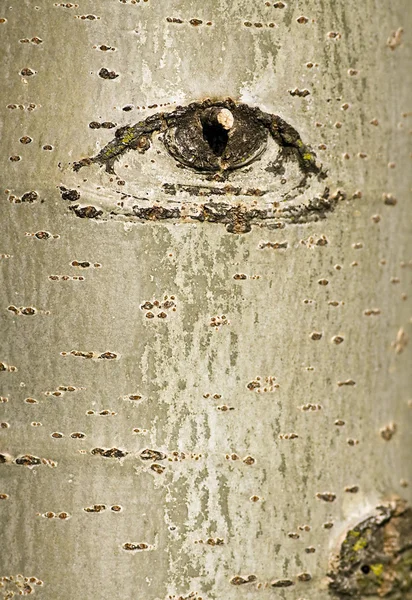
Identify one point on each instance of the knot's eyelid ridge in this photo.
(137, 136)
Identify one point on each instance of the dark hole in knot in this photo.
(365, 569)
(216, 136)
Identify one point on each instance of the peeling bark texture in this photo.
(205, 383)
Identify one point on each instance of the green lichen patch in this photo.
(375, 558)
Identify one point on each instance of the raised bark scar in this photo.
(375, 556)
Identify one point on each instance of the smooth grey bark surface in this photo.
(267, 410)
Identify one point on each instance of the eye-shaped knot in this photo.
(210, 136)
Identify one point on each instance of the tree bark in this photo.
(205, 380)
